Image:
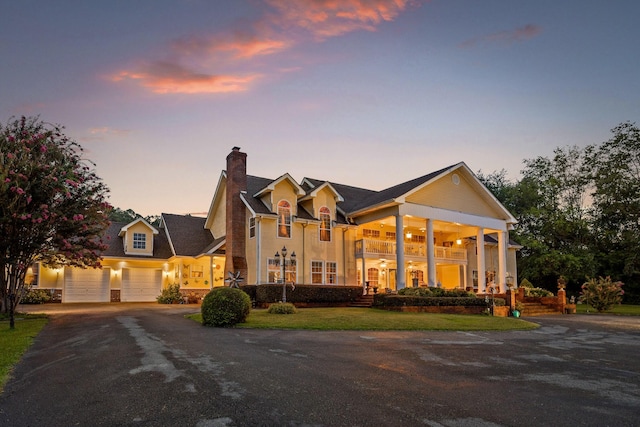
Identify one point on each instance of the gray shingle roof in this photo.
(187, 233)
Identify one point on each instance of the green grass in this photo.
(366, 319)
(14, 342)
(621, 310)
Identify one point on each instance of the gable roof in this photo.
(115, 245)
(187, 234)
(125, 227)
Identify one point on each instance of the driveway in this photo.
(146, 365)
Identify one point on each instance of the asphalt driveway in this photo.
(146, 365)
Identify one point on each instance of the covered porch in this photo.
(409, 249)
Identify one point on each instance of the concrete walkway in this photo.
(146, 365)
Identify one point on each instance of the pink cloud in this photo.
(330, 18)
(287, 24)
(166, 77)
(512, 36)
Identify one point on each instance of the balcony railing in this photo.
(386, 248)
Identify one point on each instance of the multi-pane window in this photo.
(316, 272)
(324, 272)
(274, 271)
(325, 224)
(372, 234)
(331, 273)
(252, 227)
(139, 241)
(284, 219)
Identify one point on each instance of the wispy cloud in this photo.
(167, 77)
(511, 36)
(224, 63)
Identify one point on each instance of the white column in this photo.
(401, 275)
(431, 257)
(482, 280)
(363, 275)
(503, 238)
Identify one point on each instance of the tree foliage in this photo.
(52, 205)
(578, 211)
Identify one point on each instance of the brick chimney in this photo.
(236, 258)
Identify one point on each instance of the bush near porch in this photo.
(436, 300)
(303, 295)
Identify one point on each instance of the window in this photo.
(252, 227)
(284, 219)
(390, 235)
(316, 272)
(139, 241)
(373, 234)
(324, 272)
(331, 273)
(274, 271)
(325, 224)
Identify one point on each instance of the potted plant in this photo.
(517, 309)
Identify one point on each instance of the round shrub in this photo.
(225, 307)
(282, 308)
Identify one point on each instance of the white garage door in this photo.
(140, 284)
(86, 285)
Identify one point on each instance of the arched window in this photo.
(284, 219)
(325, 224)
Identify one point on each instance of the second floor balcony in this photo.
(374, 248)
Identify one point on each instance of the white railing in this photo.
(380, 248)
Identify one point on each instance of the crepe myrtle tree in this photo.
(53, 207)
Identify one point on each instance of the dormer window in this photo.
(284, 219)
(139, 241)
(325, 224)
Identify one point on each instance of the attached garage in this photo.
(86, 285)
(140, 284)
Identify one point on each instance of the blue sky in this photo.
(366, 93)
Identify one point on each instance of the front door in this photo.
(392, 279)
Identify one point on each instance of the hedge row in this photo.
(390, 300)
(308, 294)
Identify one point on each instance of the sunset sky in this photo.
(365, 93)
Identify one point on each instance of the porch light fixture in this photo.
(292, 258)
(409, 234)
(458, 240)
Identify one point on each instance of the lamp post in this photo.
(292, 258)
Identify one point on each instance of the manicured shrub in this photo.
(171, 295)
(35, 296)
(225, 307)
(282, 308)
(533, 291)
(314, 294)
(602, 293)
(435, 292)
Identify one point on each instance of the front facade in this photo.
(442, 229)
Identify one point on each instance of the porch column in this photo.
(401, 276)
(482, 280)
(363, 275)
(431, 257)
(503, 238)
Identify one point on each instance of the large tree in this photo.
(551, 205)
(615, 173)
(52, 205)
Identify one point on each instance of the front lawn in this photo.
(343, 319)
(621, 310)
(14, 342)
